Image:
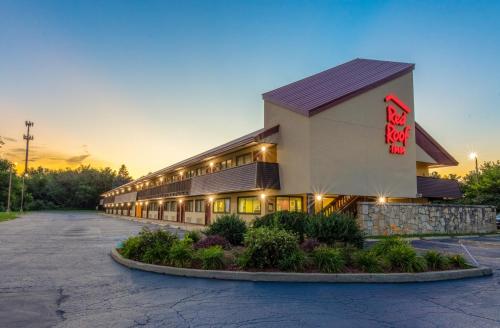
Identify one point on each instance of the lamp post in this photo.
(473, 156)
(10, 186)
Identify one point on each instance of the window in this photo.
(190, 206)
(244, 159)
(171, 206)
(226, 164)
(199, 171)
(292, 204)
(249, 205)
(199, 205)
(153, 206)
(222, 205)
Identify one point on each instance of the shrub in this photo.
(404, 258)
(265, 247)
(335, 228)
(295, 222)
(292, 262)
(231, 227)
(181, 253)
(309, 245)
(212, 258)
(458, 260)
(436, 260)
(136, 247)
(387, 243)
(195, 236)
(157, 254)
(132, 248)
(214, 240)
(368, 261)
(329, 260)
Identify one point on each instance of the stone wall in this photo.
(406, 218)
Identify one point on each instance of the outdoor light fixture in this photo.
(160, 202)
(146, 203)
(210, 199)
(382, 200)
(473, 155)
(263, 148)
(319, 197)
(161, 179)
(211, 164)
(180, 201)
(263, 196)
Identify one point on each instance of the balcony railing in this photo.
(253, 176)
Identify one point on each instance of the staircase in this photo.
(342, 204)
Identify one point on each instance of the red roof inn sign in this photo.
(397, 131)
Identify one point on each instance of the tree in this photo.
(123, 177)
(483, 189)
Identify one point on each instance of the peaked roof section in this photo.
(433, 148)
(335, 85)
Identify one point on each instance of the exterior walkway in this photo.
(56, 271)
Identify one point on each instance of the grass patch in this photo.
(4, 216)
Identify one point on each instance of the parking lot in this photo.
(56, 271)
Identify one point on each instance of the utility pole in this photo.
(28, 138)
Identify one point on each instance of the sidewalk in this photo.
(163, 223)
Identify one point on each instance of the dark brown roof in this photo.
(255, 136)
(433, 148)
(335, 85)
(438, 188)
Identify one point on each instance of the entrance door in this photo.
(180, 212)
(208, 212)
(138, 210)
(160, 212)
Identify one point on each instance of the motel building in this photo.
(331, 142)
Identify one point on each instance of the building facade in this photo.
(330, 141)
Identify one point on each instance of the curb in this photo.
(305, 277)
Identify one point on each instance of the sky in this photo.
(149, 83)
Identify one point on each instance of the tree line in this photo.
(81, 188)
(45, 189)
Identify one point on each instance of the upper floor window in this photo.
(249, 205)
(222, 205)
(244, 159)
(226, 164)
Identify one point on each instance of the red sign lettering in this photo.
(396, 137)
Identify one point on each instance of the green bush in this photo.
(368, 261)
(403, 258)
(157, 254)
(265, 247)
(212, 258)
(292, 262)
(387, 243)
(181, 253)
(458, 260)
(195, 236)
(328, 260)
(136, 247)
(295, 222)
(436, 260)
(334, 229)
(229, 226)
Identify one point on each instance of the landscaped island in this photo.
(284, 241)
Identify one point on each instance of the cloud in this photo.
(77, 159)
(7, 139)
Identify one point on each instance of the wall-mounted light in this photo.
(210, 199)
(146, 203)
(263, 148)
(263, 196)
(160, 202)
(382, 200)
(319, 197)
(211, 164)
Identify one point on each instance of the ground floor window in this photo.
(222, 205)
(249, 205)
(190, 206)
(199, 205)
(292, 204)
(171, 206)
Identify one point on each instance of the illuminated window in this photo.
(199, 205)
(249, 205)
(222, 205)
(292, 204)
(226, 164)
(171, 206)
(244, 159)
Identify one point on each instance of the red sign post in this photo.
(397, 131)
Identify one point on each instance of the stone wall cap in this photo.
(430, 204)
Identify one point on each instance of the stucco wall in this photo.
(349, 155)
(405, 218)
